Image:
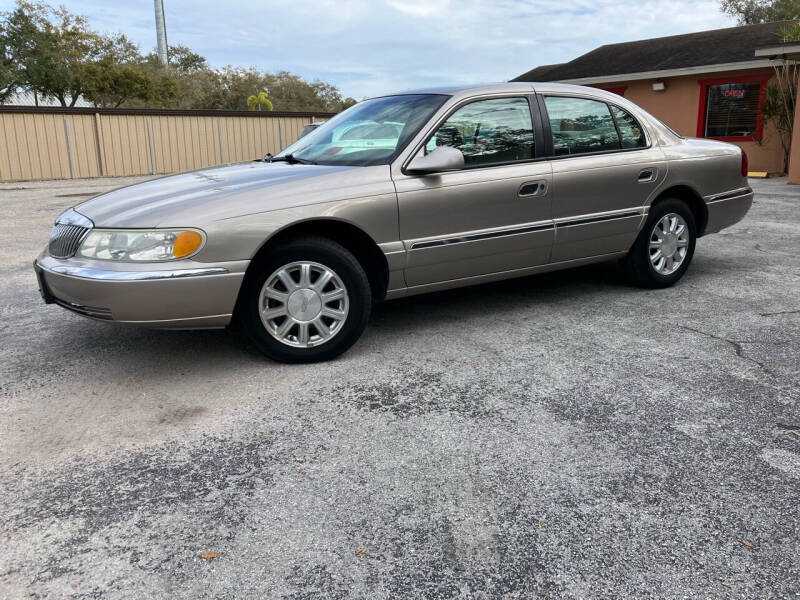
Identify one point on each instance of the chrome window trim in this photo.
(108, 275)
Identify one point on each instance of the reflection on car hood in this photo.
(191, 199)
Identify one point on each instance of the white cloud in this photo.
(368, 47)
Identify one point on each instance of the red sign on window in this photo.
(733, 93)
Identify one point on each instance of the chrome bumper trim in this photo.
(107, 275)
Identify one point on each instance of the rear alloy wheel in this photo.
(665, 246)
(307, 300)
(669, 242)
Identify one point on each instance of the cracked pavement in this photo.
(563, 436)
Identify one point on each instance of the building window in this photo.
(619, 91)
(731, 109)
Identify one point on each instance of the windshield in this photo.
(372, 132)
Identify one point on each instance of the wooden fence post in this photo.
(69, 150)
(150, 145)
(98, 138)
(219, 138)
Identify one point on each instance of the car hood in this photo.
(207, 195)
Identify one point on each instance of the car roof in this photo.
(466, 91)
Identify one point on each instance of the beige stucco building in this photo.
(709, 84)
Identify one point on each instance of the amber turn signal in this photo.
(186, 243)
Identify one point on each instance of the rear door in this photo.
(492, 216)
(604, 170)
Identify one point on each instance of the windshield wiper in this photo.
(291, 159)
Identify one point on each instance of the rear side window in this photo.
(488, 132)
(580, 126)
(630, 131)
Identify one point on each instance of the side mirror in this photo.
(444, 158)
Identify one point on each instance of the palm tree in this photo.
(256, 101)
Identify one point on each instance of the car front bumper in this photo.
(728, 209)
(185, 295)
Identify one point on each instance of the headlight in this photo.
(140, 245)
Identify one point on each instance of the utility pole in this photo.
(161, 33)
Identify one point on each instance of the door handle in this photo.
(647, 175)
(533, 188)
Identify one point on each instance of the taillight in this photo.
(745, 165)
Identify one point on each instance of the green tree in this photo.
(9, 73)
(748, 12)
(57, 54)
(50, 48)
(110, 84)
(117, 76)
(24, 46)
(290, 92)
(256, 101)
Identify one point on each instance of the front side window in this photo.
(580, 126)
(372, 132)
(488, 132)
(732, 110)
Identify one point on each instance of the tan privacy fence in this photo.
(47, 143)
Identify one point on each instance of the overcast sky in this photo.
(367, 47)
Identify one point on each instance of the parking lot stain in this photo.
(414, 391)
(205, 484)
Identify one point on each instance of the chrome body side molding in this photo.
(530, 228)
(729, 195)
(473, 237)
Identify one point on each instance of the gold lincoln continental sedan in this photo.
(398, 195)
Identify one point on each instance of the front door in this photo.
(604, 170)
(492, 216)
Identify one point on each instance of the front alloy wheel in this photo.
(304, 300)
(303, 304)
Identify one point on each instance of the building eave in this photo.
(782, 51)
(699, 70)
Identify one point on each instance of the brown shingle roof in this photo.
(718, 46)
(537, 73)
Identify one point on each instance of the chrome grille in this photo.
(65, 239)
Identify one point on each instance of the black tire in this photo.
(318, 250)
(637, 263)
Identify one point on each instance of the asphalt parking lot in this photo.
(562, 436)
